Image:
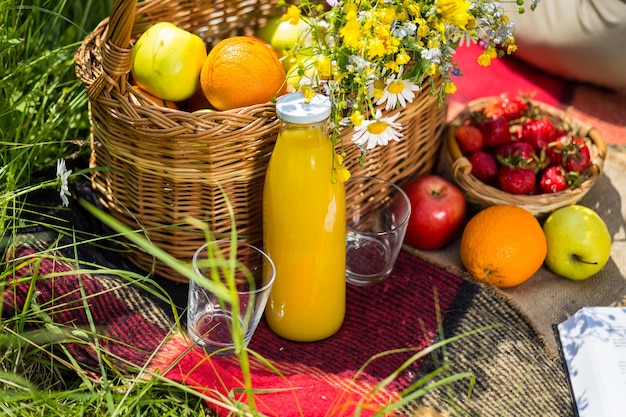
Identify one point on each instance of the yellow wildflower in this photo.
(377, 88)
(293, 15)
(484, 60)
(422, 28)
(402, 58)
(351, 33)
(376, 48)
(323, 67)
(449, 87)
(511, 46)
(454, 12)
(343, 173)
(308, 92)
(413, 8)
(356, 118)
(350, 10)
(393, 66)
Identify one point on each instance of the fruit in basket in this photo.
(571, 153)
(518, 151)
(282, 34)
(579, 242)
(242, 71)
(538, 132)
(496, 131)
(553, 179)
(517, 179)
(507, 105)
(469, 138)
(198, 102)
(517, 174)
(503, 245)
(167, 60)
(156, 100)
(524, 137)
(437, 212)
(484, 166)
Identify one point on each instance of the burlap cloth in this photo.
(547, 299)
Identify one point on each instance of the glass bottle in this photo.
(304, 224)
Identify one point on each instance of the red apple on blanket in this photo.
(437, 212)
(579, 243)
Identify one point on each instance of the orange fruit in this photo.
(156, 100)
(241, 71)
(503, 245)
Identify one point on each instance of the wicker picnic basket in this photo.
(484, 195)
(157, 167)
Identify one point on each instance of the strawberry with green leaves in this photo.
(571, 153)
(517, 150)
(518, 172)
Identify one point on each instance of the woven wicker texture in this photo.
(158, 167)
(542, 204)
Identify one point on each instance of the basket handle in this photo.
(116, 51)
(598, 141)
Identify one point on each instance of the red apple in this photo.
(437, 212)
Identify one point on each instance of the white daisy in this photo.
(463, 38)
(63, 176)
(377, 131)
(397, 91)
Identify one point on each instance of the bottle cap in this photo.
(293, 108)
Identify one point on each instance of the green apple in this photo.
(579, 243)
(167, 61)
(283, 35)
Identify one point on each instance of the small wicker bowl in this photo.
(477, 192)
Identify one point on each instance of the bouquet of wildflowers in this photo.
(370, 55)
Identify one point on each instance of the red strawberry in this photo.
(495, 131)
(520, 155)
(517, 180)
(575, 155)
(553, 179)
(484, 166)
(469, 138)
(521, 150)
(509, 106)
(538, 132)
(570, 152)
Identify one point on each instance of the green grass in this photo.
(43, 107)
(44, 118)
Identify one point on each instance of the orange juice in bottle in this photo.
(304, 224)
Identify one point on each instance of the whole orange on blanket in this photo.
(503, 245)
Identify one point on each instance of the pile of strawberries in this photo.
(512, 145)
